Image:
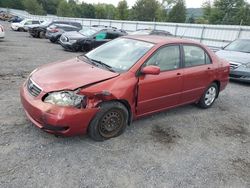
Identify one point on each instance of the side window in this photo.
(111, 35)
(76, 24)
(195, 56)
(167, 58)
(208, 60)
(35, 22)
(69, 29)
(101, 36)
(28, 23)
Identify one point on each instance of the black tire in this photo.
(206, 102)
(53, 40)
(112, 115)
(42, 34)
(86, 47)
(21, 29)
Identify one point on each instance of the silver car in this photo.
(238, 55)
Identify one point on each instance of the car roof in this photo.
(63, 25)
(155, 39)
(65, 21)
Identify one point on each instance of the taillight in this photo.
(1, 28)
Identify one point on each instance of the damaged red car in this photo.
(103, 91)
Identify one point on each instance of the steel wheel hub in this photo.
(111, 123)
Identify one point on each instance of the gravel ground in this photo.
(183, 147)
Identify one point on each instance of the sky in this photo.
(189, 3)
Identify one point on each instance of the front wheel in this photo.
(42, 34)
(20, 29)
(109, 122)
(209, 96)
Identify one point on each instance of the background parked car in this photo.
(151, 32)
(89, 38)
(238, 55)
(27, 27)
(40, 31)
(2, 33)
(5, 16)
(23, 24)
(55, 31)
(15, 19)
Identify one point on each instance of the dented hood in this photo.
(69, 75)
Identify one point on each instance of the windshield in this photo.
(120, 54)
(239, 46)
(87, 31)
(24, 21)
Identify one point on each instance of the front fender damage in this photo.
(94, 98)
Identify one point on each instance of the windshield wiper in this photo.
(89, 60)
(103, 64)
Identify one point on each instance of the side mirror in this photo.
(153, 70)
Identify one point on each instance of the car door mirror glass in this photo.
(151, 69)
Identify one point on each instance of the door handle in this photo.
(209, 68)
(178, 74)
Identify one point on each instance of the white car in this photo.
(23, 25)
(2, 34)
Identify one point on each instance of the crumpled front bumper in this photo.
(67, 121)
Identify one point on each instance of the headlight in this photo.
(247, 65)
(72, 41)
(65, 98)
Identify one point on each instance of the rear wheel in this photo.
(209, 96)
(109, 122)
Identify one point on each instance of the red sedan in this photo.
(100, 93)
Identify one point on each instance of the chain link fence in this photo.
(214, 36)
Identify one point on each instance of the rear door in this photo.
(198, 72)
(159, 92)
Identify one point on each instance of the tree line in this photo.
(217, 12)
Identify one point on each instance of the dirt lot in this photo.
(184, 147)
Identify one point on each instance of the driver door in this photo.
(163, 91)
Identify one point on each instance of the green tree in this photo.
(64, 9)
(110, 11)
(122, 10)
(105, 11)
(100, 12)
(145, 10)
(229, 12)
(178, 13)
(15, 4)
(50, 6)
(207, 9)
(33, 7)
(191, 19)
(87, 10)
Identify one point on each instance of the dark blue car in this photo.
(15, 19)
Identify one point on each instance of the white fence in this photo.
(211, 35)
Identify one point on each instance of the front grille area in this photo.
(32, 88)
(234, 66)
